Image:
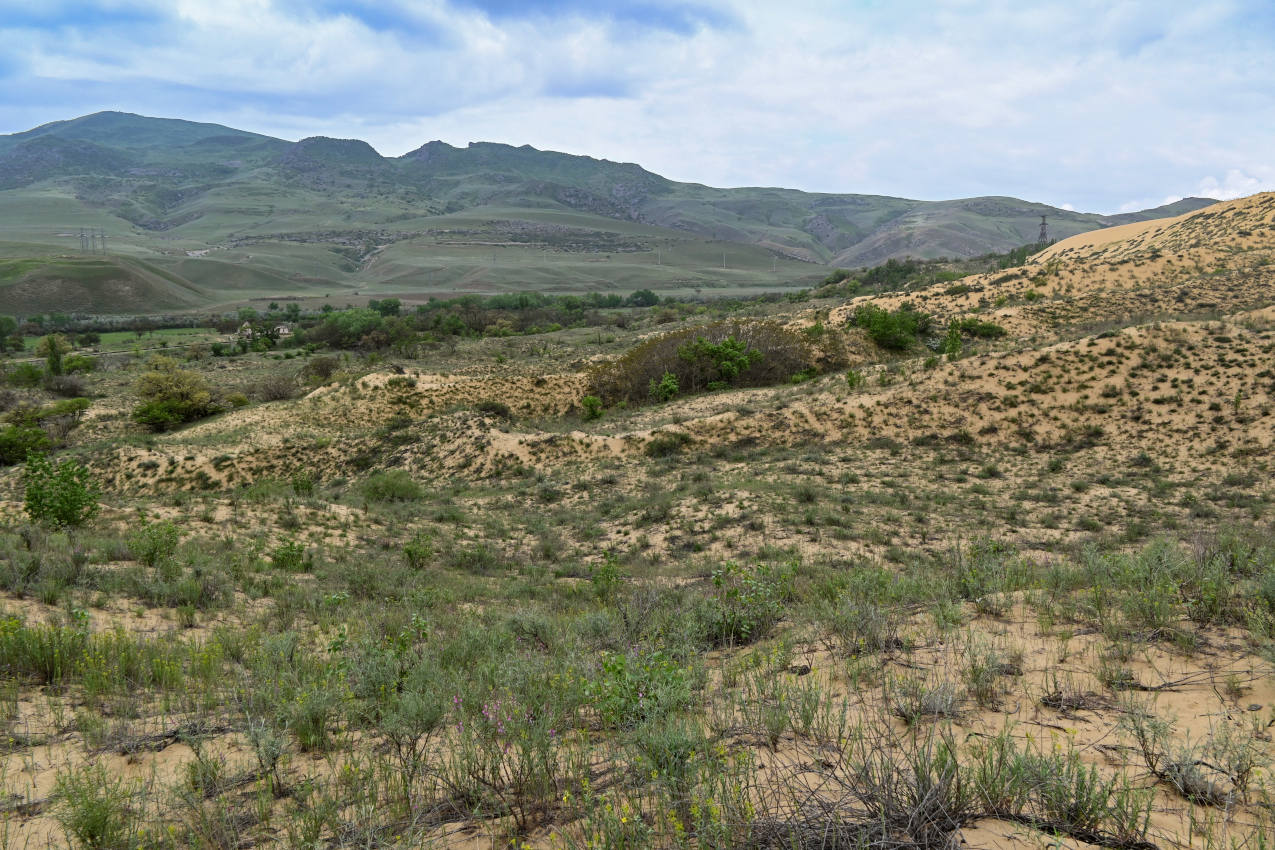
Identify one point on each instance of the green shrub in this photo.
(665, 389)
(53, 348)
(172, 396)
(746, 603)
(290, 556)
(79, 363)
(590, 408)
(895, 330)
(666, 443)
(712, 363)
(837, 276)
(978, 328)
(734, 352)
(59, 494)
(394, 485)
(19, 441)
(26, 375)
(495, 408)
(302, 483)
(419, 551)
(95, 808)
(154, 543)
(47, 652)
(634, 687)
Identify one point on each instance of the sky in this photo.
(1094, 105)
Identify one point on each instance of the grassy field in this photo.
(1003, 577)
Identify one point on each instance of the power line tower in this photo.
(93, 240)
(1044, 232)
(84, 241)
(102, 233)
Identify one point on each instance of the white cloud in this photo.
(1094, 101)
(1237, 184)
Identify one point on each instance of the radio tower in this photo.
(1044, 232)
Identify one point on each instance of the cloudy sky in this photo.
(1101, 105)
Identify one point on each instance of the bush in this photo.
(320, 369)
(172, 396)
(275, 388)
(643, 298)
(394, 485)
(26, 375)
(666, 443)
(419, 551)
(79, 363)
(154, 543)
(53, 348)
(495, 408)
(665, 389)
(59, 494)
(18, 441)
(67, 386)
(634, 687)
(894, 330)
(590, 408)
(738, 352)
(96, 808)
(711, 363)
(746, 604)
(978, 328)
(290, 556)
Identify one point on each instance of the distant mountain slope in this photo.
(151, 170)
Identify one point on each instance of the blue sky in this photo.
(1101, 106)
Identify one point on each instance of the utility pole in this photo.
(723, 259)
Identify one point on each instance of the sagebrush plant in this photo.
(97, 809)
(59, 494)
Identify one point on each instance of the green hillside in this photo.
(205, 215)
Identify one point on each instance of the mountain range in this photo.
(333, 215)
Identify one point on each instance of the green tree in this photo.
(59, 494)
(52, 348)
(643, 298)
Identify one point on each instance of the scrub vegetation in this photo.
(898, 563)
